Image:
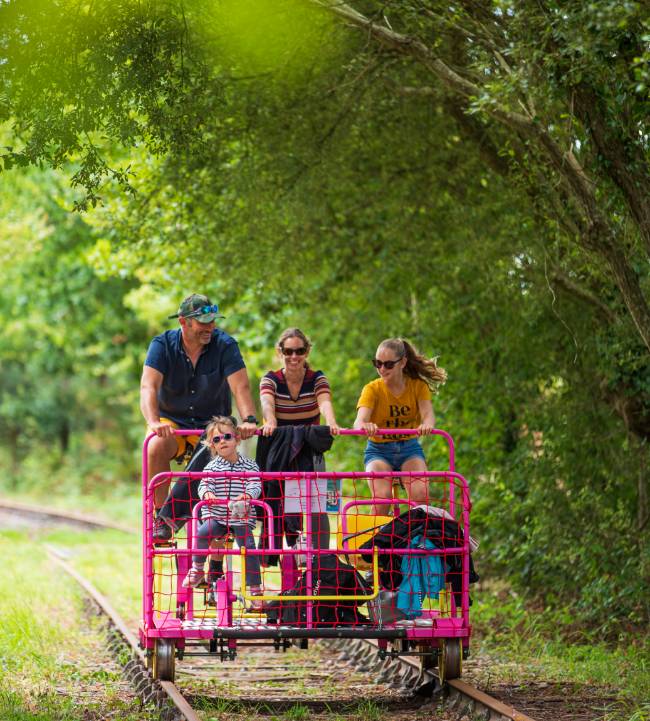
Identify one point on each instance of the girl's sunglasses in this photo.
(224, 437)
(294, 351)
(388, 364)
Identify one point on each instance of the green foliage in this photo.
(305, 173)
(284, 38)
(369, 710)
(525, 643)
(298, 712)
(47, 643)
(71, 353)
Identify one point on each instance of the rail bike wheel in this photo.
(164, 658)
(451, 659)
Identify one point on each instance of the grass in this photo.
(514, 642)
(642, 714)
(119, 504)
(368, 711)
(518, 644)
(54, 664)
(221, 706)
(297, 713)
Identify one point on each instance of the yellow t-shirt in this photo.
(389, 411)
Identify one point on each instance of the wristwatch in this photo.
(250, 419)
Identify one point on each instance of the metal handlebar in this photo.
(342, 432)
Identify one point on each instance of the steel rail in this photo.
(162, 693)
(64, 515)
(495, 706)
(462, 698)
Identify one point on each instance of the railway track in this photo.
(336, 676)
(14, 512)
(292, 679)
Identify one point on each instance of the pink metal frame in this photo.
(168, 626)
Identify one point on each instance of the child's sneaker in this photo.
(194, 578)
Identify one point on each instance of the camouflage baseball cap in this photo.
(198, 307)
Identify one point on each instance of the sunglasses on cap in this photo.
(223, 437)
(206, 313)
(204, 310)
(294, 351)
(389, 364)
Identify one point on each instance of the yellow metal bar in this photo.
(157, 583)
(354, 597)
(444, 601)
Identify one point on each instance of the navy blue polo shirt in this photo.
(190, 395)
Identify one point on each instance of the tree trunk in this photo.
(626, 160)
(628, 283)
(643, 508)
(64, 435)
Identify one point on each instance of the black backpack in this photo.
(330, 576)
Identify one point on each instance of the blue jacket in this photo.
(421, 576)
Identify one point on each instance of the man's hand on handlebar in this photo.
(247, 430)
(162, 430)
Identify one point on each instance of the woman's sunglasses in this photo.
(388, 364)
(294, 351)
(224, 437)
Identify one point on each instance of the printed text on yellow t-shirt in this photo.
(389, 411)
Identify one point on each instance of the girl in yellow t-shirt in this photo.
(399, 398)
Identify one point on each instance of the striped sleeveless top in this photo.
(302, 410)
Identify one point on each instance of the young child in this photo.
(238, 515)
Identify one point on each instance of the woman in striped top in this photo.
(298, 395)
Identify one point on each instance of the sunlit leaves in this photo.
(70, 350)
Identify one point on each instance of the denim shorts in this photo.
(395, 453)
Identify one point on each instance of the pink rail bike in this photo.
(401, 580)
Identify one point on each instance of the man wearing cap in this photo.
(188, 377)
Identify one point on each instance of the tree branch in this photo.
(599, 236)
(565, 163)
(627, 169)
(416, 49)
(570, 286)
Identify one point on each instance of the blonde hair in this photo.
(214, 423)
(417, 365)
